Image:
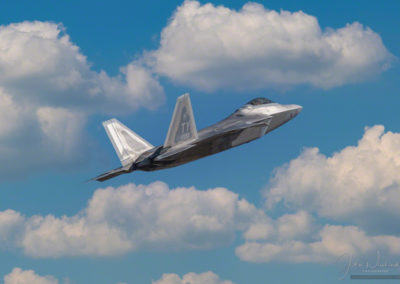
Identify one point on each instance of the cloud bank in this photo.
(40, 65)
(213, 47)
(156, 218)
(328, 245)
(359, 184)
(131, 218)
(47, 91)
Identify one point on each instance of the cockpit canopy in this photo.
(259, 101)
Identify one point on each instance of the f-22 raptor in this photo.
(185, 144)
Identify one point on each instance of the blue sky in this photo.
(274, 210)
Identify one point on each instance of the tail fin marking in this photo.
(182, 127)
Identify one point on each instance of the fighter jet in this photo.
(185, 144)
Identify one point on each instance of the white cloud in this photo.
(10, 114)
(155, 218)
(192, 278)
(214, 47)
(331, 243)
(291, 226)
(47, 91)
(61, 127)
(137, 217)
(286, 227)
(19, 276)
(359, 184)
(41, 138)
(39, 64)
(298, 238)
(11, 224)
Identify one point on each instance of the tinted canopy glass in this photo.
(259, 101)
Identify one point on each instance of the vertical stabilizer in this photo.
(127, 143)
(183, 127)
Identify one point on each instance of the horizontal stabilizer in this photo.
(127, 143)
(112, 173)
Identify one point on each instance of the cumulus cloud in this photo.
(10, 114)
(156, 218)
(19, 276)
(285, 227)
(135, 217)
(214, 47)
(11, 224)
(192, 278)
(47, 91)
(39, 64)
(298, 237)
(331, 243)
(359, 184)
(34, 138)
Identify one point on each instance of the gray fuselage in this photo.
(244, 125)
